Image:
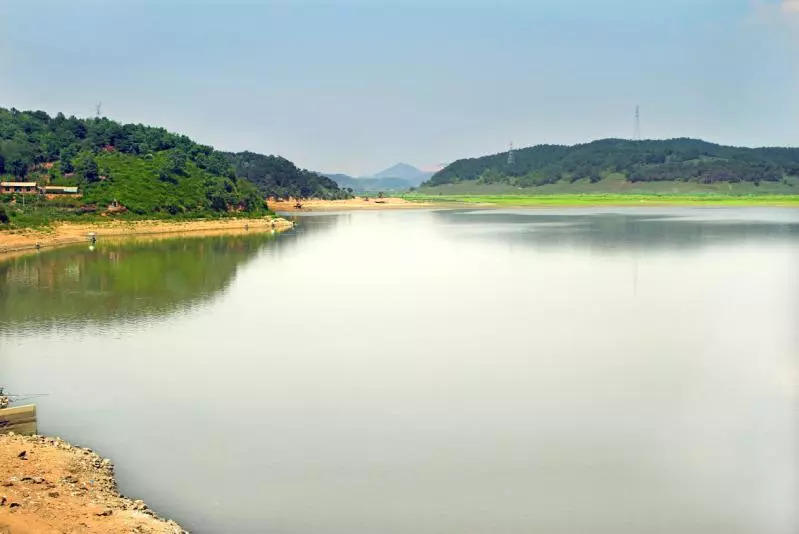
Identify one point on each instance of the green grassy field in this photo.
(615, 190)
(613, 200)
(616, 184)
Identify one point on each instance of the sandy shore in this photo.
(358, 203)
(12, 241)
(55, 487)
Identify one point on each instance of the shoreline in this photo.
(541, 201)
(589, 200)
(357, 203)
(57, 487)
(13, 242)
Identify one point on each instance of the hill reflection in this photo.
(119, 280)
(607, 230)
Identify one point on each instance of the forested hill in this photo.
(148, 170)
(686, 160)
(278, 177)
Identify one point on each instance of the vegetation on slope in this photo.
(675, 160)
(151, 172)
(148, 170)
(278, 177)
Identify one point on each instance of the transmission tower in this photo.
(511, 156)
(99, 109)
(637, 130)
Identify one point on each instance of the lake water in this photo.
(575, 371)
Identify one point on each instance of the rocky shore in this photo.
(49, 486)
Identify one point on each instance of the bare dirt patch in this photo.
(49, 486)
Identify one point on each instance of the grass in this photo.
(614, 190)
(37, 212)
(617, 184)
(140, 184)
(613, 200)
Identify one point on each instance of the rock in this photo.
(38, 480)
(23, 455)
(14, 505)
(53, 494)
(106, 463)
(105, 512)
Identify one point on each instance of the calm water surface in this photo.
(432, 372)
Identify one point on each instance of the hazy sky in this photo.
(356, 85)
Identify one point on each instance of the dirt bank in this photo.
(68, 233)
(47, 486)
(358, 203)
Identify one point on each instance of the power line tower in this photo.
(511, 155)
(637, 130)
(99, 109)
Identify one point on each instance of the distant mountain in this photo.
(399, 177)
(370, 185)
(406, 172)
(677, 160)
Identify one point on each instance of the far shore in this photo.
(357, 203)
(415, 201)
(605, 200)
(66, 233)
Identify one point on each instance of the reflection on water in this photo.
(608, 230)
(433, 372)
(119, 280)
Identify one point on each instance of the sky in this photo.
(355, 86)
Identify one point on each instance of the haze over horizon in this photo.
(352, 87)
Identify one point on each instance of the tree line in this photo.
(637, 161)
(277, 177)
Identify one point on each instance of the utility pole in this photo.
(511, 156)
(637, 130)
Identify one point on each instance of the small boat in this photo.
(18, 419)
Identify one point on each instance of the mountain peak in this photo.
(406, 172)
(401, 170)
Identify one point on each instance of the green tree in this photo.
(66, 155)
(17, 167)
(86, 167)
(176, 162)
